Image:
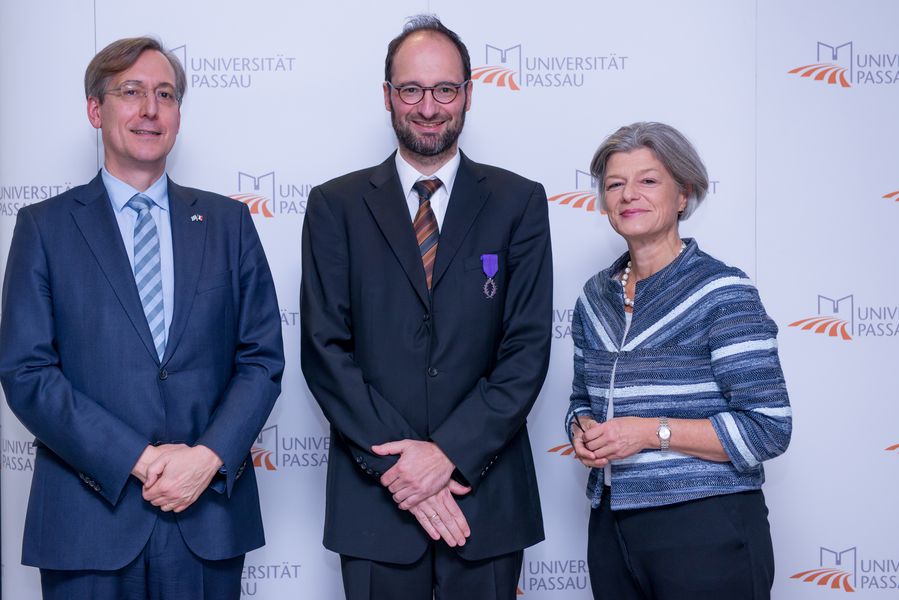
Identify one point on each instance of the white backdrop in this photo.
(284, 95)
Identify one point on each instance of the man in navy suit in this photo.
(141, 345)
(426, 309)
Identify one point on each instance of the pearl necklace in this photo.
(627, 272)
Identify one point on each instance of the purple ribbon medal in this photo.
(490, 264)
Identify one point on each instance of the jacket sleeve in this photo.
(353, 407)
(258, 361)
(579, 401)
(746, 367)
(97, 444)
(495, 410)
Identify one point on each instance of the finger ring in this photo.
(434, 516)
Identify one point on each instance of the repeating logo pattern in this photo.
(257, 192)
(511, 69)
(563, 450)
(267, 200)
(266, 447)
(833, 72)
(845, 66)
(892, 195)
(836, 570)
(501, 74)
(830, 322)
(583, 196)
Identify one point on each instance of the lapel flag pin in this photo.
(196, 218)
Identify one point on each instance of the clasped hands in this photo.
(596, 444)
(174, 475)
(421, 483)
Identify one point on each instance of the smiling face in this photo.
(427, 132)
(642, 197)
(137, 135)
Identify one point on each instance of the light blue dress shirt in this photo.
(119, 195)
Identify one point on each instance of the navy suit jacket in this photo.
(386, 359)
(79, 370)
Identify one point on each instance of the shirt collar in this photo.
(409, 174)
(120, 192)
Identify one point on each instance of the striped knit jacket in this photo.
(700, 345)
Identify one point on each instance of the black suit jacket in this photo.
(80, 370)
(388, 360)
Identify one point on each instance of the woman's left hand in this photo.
(620, 437)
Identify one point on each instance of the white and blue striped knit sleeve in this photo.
(743, 342)
(580, 401)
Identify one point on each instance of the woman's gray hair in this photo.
(668, 145)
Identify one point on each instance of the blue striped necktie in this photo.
(148, 269)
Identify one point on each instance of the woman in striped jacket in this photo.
(678, 394)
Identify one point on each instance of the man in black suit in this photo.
(426, 305)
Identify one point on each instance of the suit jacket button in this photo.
(426, 317)
(432, 371)
(358, 459)
(163, 374)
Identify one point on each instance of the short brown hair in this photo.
(120, 56)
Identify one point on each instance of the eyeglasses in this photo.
(135, 92)
(444, 93)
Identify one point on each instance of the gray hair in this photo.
(120, 56)
(668, 145)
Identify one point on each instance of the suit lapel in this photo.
(97, 223)
(387, 204)
(469, 196)
(188, 245)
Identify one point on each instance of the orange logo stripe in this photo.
(891, 448)
(490, 74)
(821, 70)
(256, 204)
(579, 199)
(829, 325)
(261, 455)
(832, 577)
(568, 449)
(892, 195)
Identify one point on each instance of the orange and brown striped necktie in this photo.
(425, 224)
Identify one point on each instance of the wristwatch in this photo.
(664, 433)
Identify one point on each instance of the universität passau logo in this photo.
(843, 65)
(582, 196)
(267, 199)
(511, 69)
(273, 451)
(553, 574)
(13, 198)
(847, 570)
(17, 455)
(835, 570)
(231, 71)
(844, 319)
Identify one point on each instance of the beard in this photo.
(427, 145)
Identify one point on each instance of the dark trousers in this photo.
(165, 569)
(707, 549)
(439, 574)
